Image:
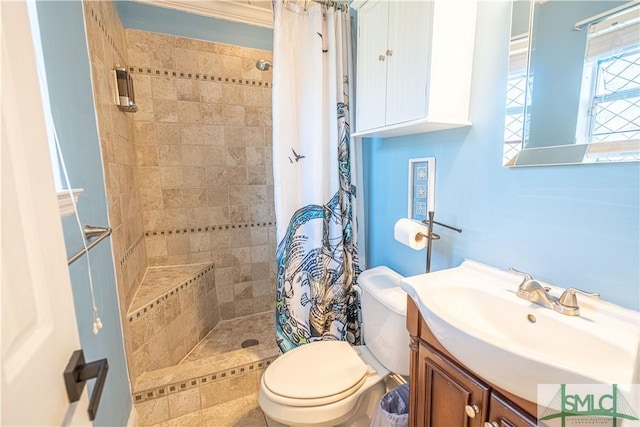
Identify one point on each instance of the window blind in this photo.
(620, 31)
(518, 52)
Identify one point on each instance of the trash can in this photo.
(393, 409)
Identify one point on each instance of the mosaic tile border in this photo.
(174, 292)
(131, 249)
(155, 393)
(190, 230)
(103, 28)
(168, 72)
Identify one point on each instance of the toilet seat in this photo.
(315, 374)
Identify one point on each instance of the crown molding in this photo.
(228, 10)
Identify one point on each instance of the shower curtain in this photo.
(314, 197)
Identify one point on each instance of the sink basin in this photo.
(474, 312)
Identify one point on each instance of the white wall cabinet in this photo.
(413, 66)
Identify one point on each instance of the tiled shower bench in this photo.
(173, 310)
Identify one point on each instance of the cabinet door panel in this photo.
(505, 414)
(373, 23)
(408, 60)
(448, 391)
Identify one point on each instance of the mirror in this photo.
(573, 92)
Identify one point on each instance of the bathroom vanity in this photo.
(481, 344)
(443, 392)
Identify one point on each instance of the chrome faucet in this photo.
(533, 291)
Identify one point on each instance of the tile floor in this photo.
(229, 335)
(242, 412)
(222, 346)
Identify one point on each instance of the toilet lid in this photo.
(315, 371)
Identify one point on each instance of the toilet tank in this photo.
(384, 313)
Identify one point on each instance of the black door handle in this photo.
(76, 375)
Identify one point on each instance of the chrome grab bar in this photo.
(90, 231)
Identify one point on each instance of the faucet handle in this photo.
(568, 297)
(526, 276)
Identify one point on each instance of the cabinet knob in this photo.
(491, 424)
(471, 410)
(389, 52)
(381, 58)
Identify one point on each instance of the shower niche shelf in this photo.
(414, 66)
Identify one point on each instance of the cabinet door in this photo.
(503, 413)
(371, 89)
(408, 60)
(453, 397)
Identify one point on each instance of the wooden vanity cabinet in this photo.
(443, 393)
(503, 413)
(452, 397)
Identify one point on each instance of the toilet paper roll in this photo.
(411, 233)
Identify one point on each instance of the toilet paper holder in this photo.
(434, 236)
(431, 236)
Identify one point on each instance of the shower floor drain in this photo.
(249, 343)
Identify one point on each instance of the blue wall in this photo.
(68, 78)
(573, 226)
(161, 20)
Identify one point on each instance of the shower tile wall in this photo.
(203, 146)
(107, 48)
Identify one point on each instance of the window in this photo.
(514, 125)
(615, 106)
(610, 95)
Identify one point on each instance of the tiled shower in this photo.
(190, 195)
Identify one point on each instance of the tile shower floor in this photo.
(229, 335)
(221, 349)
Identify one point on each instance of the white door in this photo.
(408, 60)
(372, 65)
(39, 329)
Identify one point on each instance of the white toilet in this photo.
(331, 383)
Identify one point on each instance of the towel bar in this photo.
(100, 233)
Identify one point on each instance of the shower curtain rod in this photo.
(332, 3)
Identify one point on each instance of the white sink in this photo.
(474, 312)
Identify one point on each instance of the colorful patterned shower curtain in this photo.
(314, 196)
